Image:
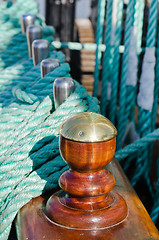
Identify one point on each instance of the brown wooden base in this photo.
(73, 213)
(32, 223)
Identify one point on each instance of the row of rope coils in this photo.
(31, 113)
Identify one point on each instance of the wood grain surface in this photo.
(32, 223)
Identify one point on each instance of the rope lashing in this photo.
(86, 46)
(99, 37)
(9, 19)
(27, 80)
(8, 76)
(40, 88)
(11, 130)
(28, 179)
(13, 77)
(19, 52)
(22, 96)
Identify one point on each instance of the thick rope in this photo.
(116, 62)
(32, 185)
(133, 148)
(20, 51)
(106, 57)
(99, 37)
(155, 210)
(145, 116)
(122, 94)
(131, 91)
(14, 126)
(10, 20)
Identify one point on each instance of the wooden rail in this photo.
(32, 223)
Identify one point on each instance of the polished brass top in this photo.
(88, 127)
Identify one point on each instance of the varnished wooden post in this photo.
(87, 207)
(87, 144)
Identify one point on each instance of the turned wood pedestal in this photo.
(88, 206)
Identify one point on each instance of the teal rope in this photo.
(106, 57)
(144, 116)
(131, 91)
(122, 93)
(99, 37)
(116, 62)
(152, 24)
(20, 51)
(87, 46)
(31, 83)
(150, 42)
(133, 148)
(32, 184)
(10, 20)
(138, 22)
(155, 210)
(156, 88)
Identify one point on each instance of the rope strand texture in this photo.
(99, 37)
(122, 94)
(10, 20)
(31, 83)
(32, 175)
(19, 49)
(131, 149)
(116, 62)
(107, 56)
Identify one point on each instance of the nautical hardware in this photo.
(27, 20)
(33, 32)
(40, 50)
(87, 208)
(87, 144)
(62, 89)
(47, 65)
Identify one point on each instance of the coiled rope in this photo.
(31, 170)
(10, 20)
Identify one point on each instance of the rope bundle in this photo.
(124, 81)
(10, 19)
(30, 162)
(30, 167)
(26, 158)
(18, 50)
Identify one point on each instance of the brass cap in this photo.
(88, 127)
